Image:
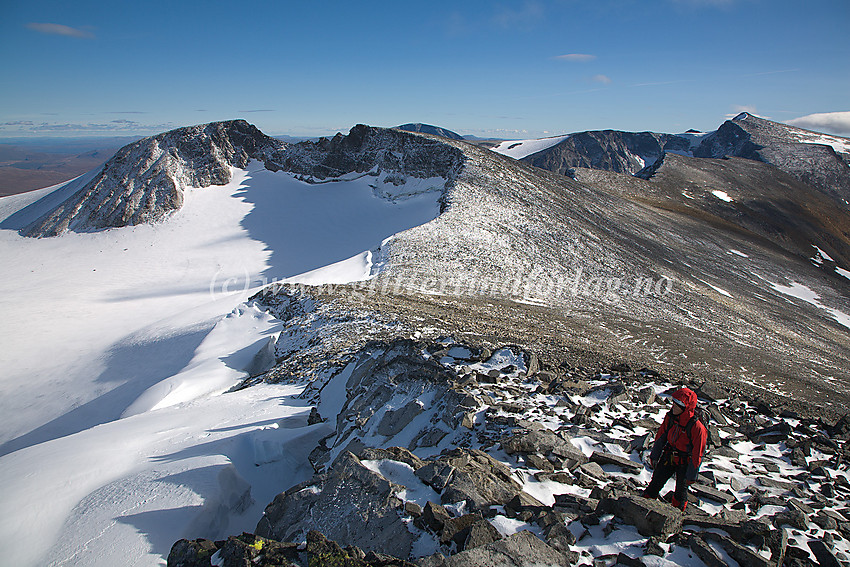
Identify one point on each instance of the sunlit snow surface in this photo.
(116, 437)
(519, 149)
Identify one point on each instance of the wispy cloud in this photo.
(660, 83)
(60, 29)
(604, 79)
(704, 3)
(762, 73)
(577, 57)
(832, 122)
(118, 125)
(523, 18)
(456, 25)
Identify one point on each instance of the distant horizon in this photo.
(514, 69)
(132, 137)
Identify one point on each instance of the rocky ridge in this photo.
(438, 451)
(429, 129)
(145, 181)
(662, 279)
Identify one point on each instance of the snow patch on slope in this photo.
(837, 143)
(800, 291)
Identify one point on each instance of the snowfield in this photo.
(519, 149)
(117, 437)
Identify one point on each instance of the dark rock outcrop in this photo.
(478, 479)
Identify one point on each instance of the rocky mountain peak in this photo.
(145, 180)
(820, 160)
(429, 129)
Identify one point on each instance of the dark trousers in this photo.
(661, 475)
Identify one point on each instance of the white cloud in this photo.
(832, 122)
(579, 57)
(60, 29)
(604, 79)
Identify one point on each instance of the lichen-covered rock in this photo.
(542, 441)
(522, 549)
(322, 552)
(480, 533)
(478, 479)
(186, 553)
(349, 503)
(246, 550)
(650, 517)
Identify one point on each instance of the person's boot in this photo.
(680, 505)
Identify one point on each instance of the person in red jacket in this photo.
(679, 447)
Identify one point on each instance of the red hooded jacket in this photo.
(673, 433)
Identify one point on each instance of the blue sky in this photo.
(508, 69)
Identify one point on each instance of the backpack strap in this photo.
(690, 427)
